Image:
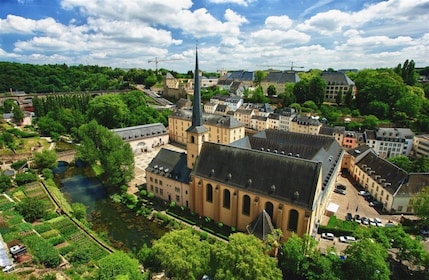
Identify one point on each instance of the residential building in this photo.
(390, 142)
(221, 129)
(305, 124)
(174, 87)
(258, 122)
(244, 116)
(233, 102)
(347, 139)
(144, 138)
(273, 121)
(279, 79)
(386, 182)
(337, 82)
(421, 145)
(285, 118)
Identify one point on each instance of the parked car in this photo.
(363, 193)
(341, 187)
(357, 218)
(340, 191)
(347, 239)
(9, 268)
(364, 221)
(372, 222)
(375, 203)
(328, 235)
(349, 216)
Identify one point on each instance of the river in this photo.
(124, 229)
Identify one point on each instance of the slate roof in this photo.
(336, 78)
(359, 150)
(241, 75)
(261, 226)
(284, 178)
(306, 120)
(311, 147)
(415, 183)
(212, 119)
(141, 131)
(391, 174)
(170, 164)
(282, 77)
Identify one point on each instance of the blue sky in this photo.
(231, 34)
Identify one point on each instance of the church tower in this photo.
(196, 133)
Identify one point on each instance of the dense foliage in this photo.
(100, 145)
(31, 209)
(118, 265)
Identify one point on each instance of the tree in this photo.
(46, 159)
(182, 254)
(108, 110)
(31, 209)
(300, 90)
(370, 122)
(295, 254)
(98, 144)
(407, 72)
(79, 211)
(420, 204)
(378, 109)
(339, 98)
(259, 77)
(411, 102)
(271, 90)
(118, 264)
(5, 183)
(402, 162)
(18, 115)
(243, 258)
(420, 164)
(25, 178)
(317, 89)
(366, 259)
(348, 97)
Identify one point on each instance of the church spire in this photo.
(197, 118)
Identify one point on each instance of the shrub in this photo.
(18, 164)
(43, 250)
(41, 228)
(143, 192)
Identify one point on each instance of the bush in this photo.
(43, 250)
(41, 228)
(47, 173)
(25, 178)
(18, 164)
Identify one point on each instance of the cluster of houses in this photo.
(284, 171)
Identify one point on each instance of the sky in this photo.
(230, 34)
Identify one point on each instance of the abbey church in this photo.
(288, 177)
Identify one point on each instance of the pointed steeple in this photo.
(197, 118)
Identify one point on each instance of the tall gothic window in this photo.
(246, 205)
(209, 193)
(293, 220)
(226, 199)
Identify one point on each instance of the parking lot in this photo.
(353, 203)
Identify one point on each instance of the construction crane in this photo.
(156, 60)
(292, 67)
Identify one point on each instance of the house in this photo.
(337, 82)
(279, 80)
(386, 182)
(174, 87)
(286, 115)
(421, 145)
(144, 138)
(390, 142)
(305, 124)
(347, 139)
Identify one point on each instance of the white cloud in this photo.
(278, 22)
(238, 2)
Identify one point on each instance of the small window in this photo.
(209, 193)
(246, 205)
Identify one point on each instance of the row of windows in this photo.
(245, 210)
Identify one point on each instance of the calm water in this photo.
(124, 229)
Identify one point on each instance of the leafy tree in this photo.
(310, 105)
(259, 97)
(47, 173)
(411, 102)
(43, 250)
(146, 256)
(271, 90)
(407, 72)
(296, 106)
(339, 98)
(301, 91)
(98, 144)
(79, 211)
(295, 254)
(243, 257)
(317, 89)
(182, 254)
(80, 256)
(18, 115)
(108, 110)
(402, 162)
(31, 209)
(25, 178)
(420, 164)
(360, 264)
(118, 264)
(378, 109)
(5, 183)
(259, 77)
(46, 159)
(420, 204)
(49, 126)
(348, 98)
(370, 122)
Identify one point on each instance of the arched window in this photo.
(226, 199)
(293, 220)
(209, 193)
(246, 205)
(192, 140)
(269, 208)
